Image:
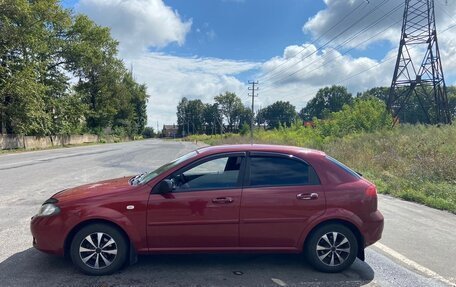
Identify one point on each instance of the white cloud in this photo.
(297, 75)
(342, 20)
(138, 24)
(382, 17)
(170, 78)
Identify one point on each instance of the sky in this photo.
(202, 48)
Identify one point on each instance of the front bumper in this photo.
(48, 234)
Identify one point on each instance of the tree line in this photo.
(228, 114)
(60, 74)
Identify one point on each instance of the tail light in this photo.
(371, 191)
(371, 194)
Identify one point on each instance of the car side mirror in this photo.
(165, 186)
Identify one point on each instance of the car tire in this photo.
(99, 249)
(331, 248)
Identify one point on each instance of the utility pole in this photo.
(423, 79)
(253, 89)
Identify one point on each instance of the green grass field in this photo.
(412, 162)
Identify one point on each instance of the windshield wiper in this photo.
(137, 178)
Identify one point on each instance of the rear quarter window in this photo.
(343, 168)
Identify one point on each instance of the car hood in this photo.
(102, 188)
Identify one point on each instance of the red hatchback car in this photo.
(258, 198)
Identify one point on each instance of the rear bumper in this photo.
(48, 234)
(373, 228)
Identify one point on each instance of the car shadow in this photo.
(33, 268)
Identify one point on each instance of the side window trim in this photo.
(240, 179)
(246, 183)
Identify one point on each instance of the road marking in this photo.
(279, 282)
(413, 264)
(21, 163)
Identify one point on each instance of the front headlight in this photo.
(48, 209)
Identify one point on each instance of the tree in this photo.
(130, 118)
(190, 116)
(42, 44)
(148, 132)
(278, 113)
(182, 119)
(381, 93)
(195, 110)
(245, 117)
(260, 118)
(231, 108)
(451, 93)
(213, 119)
(412, 111)
(327, 100)
(31, 45)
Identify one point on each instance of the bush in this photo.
(245, 129)
(148, 132)
(364, 115)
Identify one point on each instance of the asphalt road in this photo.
(417, 249)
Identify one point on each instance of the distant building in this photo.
(169, 131)
(310, 124)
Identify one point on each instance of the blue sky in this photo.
(243, 30)
(201, 48)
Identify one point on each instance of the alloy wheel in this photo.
(333, 248)
(98, 250)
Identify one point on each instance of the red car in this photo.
(258, 198)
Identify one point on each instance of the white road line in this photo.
(279, 282)
(21, 163)
(413, 264)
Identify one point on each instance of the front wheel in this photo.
(99, 249)
(331, 248)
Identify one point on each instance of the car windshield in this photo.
(147, 176)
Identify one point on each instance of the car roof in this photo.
(259, 147)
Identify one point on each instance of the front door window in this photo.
(214, 174)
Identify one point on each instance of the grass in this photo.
(412, 162)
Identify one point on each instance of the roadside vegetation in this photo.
(411, 161)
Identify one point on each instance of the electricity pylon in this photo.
(418, 70)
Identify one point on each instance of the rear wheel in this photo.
(99, 249)
(331, 248)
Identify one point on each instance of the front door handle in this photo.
(307, 196)
(220, 200)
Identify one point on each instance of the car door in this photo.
(281, 195)
(202, 211)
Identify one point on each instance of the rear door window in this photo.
(280, 170)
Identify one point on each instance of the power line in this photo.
(375, 66)
(316, 40)
(446, 12)
(262, 78)
(343, 43)
(270, 84)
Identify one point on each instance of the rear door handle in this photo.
(220, 200)
(307, 196)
